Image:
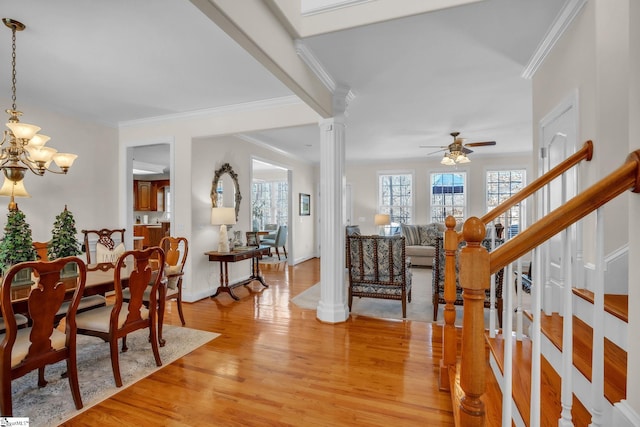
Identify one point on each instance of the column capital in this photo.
(342, 97)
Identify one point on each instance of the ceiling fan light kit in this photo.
(457, 151)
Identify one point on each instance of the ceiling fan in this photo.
(457, 151)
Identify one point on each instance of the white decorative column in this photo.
(332, 307)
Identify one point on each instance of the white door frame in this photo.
(558, 135)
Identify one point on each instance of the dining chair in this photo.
(107, 248)
(279, 241)
(24, 350)
(175, 250)
(116, 321)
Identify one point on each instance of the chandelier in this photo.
(452, 157)
(22, 146)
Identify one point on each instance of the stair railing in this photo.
(451, 239)
(477, 265)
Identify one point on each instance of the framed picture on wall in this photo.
(305, 204)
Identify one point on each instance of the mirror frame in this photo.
(226, 168)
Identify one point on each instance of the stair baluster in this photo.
(597, 360)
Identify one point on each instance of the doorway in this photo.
(271, 199)
(149, 167)
(558, 141)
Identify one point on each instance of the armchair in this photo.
(438, 279)
(378, 268)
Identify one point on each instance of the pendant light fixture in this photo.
(22, 147)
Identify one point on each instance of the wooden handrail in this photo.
(624, 178)
(585, 153)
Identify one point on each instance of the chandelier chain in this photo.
(13, 68)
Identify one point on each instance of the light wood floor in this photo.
(276, 364)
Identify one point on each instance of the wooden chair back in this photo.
(108, 237)
(176, 250)
(42, 250)
(24, 350)
(138, 275)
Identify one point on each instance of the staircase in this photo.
(615, 364)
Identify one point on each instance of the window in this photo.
(502, 184)
(395, 197)
(269, 203)
(448, 195)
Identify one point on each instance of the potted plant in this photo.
(64, 241)
(17, 246)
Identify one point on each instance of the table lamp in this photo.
(222, 217)
(381, 220)
(13, 189)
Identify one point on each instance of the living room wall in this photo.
(363, 179)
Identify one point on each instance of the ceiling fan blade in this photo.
(437, 151)
(480, 144)
(465, 150)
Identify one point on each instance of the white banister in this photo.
(507, 335)
(492, 292)
(519, 289)
(597, 370)
(567, 333)
(536, 296)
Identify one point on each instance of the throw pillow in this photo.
(429, 233)
(411, 234)
(104, 254)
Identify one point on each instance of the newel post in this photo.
(474, 279)
(449, 338)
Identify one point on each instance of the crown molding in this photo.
(314, 64)
(263, 144)
(335, 5)
(217, 111)
(559, 26)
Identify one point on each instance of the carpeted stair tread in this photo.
(616, 305)
(550, 387)
(615, 358)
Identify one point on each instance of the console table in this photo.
(239, 254)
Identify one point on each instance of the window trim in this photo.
(466, 173)
(411, 172)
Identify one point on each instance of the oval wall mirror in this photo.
(225, 190)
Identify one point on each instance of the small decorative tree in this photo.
(64, 240)
(16, 245)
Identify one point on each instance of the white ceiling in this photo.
(415, 79)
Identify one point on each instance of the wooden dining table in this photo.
(100, 280)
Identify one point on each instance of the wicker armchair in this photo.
(438, 279)
(378, 268)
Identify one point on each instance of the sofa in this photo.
(421, 241)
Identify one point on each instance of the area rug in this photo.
(53, 404)
(272, 260)
(420, 308)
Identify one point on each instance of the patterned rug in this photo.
(53, 404)
(420, 308)
(272, 260)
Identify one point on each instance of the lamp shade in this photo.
(11, 188)
(223, 216)
(382, 219)
(23, 130)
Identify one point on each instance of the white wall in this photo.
(209, 154)
(190, 185)
(364, 181)
(590, 58)
(89, 189)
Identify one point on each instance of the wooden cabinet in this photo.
(151, 234)
(145, 195)
(142, 195)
